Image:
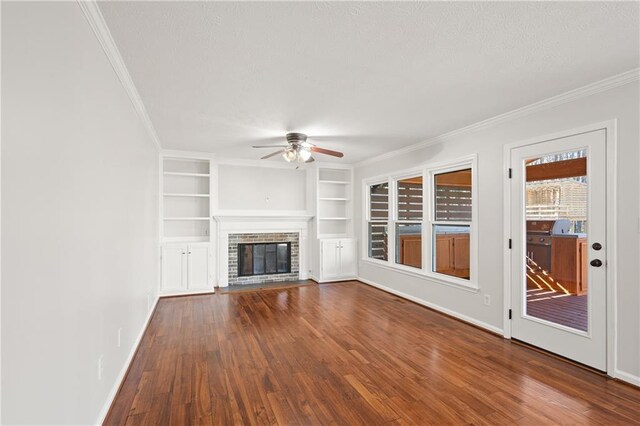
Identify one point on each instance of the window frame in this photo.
(369, 220)
(428, 172)
(432, 172)
(394, 179)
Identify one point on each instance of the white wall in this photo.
(261, 188)
(79, 218)
(621, 103)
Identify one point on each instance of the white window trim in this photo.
(367, 184)
(394, 179)
(427, 171)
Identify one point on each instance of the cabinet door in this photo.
(461, 253)
(173, 267)
(444, 254)
(348, 258)
(198, 267)
(329, 261)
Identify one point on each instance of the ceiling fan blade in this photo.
(327, 151)
(273, 154)
(270, 146)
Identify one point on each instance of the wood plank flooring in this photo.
(348, 354)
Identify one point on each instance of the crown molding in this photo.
(101, 30)
(572, 95)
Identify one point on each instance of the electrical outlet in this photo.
(487, 299)
(120, 337)
(100, 367)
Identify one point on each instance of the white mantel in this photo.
(259, 221)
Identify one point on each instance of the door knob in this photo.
(596, 262)
(596, 246)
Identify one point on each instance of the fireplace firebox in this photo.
(264, 259)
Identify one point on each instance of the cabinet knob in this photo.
(597, 246)
(596, 262)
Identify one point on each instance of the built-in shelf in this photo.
(335, 182)
(203, 175)
(186, 218)
(186, 189)
(186, 195)
(334, 201)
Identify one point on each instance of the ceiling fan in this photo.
(298, 149)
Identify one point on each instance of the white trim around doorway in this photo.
(610, 127)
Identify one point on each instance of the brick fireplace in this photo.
(257, 248)
(260, 227)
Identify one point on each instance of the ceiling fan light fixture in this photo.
(304, 154)
(289, 155)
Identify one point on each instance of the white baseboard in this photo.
(489, 327)
(123, 372)
(626, 377)
(186, 293)
(334, 280)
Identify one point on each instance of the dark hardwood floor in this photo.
(348, 354)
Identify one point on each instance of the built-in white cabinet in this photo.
(185, 267)
(337, 259)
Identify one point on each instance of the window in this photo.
(451, 223)
(378, 221)
(422, 222)
(408, 225)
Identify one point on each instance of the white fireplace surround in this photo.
(239, 222)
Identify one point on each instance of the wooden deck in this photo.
(348, 354)
(558, 307)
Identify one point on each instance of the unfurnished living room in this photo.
(319, 213)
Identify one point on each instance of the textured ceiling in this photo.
(219, 77)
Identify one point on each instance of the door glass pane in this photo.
(283, 258)
(409, 244)
(451, 250)
(245, 257)
(270, 253)
(556, 238)
(258, 259)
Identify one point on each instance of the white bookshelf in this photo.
(186, 199)
(334, 202)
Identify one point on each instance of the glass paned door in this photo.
(558, 260)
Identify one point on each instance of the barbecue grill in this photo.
(539, 233)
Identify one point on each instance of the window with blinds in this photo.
(410, 199)
(378, 221)
(408, 225)
(453, 203)
(451, 227)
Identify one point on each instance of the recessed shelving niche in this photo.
(186, 200)
(333, 202)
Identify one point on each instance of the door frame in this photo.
(610, 127)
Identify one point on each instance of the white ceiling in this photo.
(218, 77)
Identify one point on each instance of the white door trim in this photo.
(610, 127)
